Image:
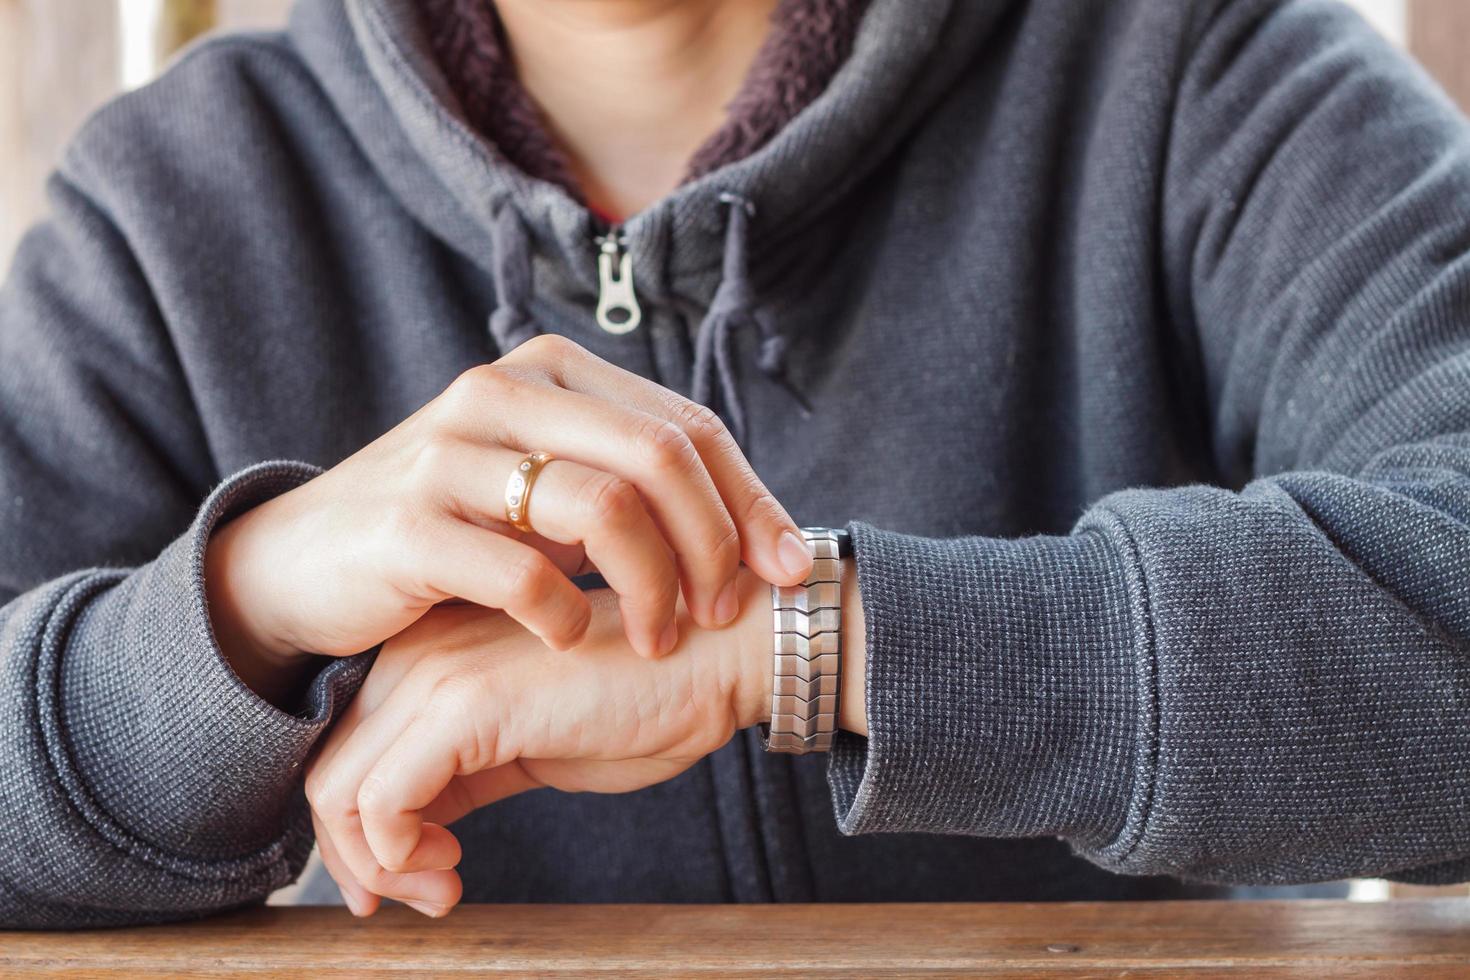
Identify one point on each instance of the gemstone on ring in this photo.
(518, 489)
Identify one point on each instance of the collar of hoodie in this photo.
(715, 377)
(808, 40)
(376, 62)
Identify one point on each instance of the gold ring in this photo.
(518, 489)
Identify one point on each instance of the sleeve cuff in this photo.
(156, 739)
(1002, 689)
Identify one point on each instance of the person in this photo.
(1129, 342)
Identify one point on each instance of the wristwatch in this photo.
(808, 650)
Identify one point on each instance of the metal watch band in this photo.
(808, 650)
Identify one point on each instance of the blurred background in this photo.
(60, 59)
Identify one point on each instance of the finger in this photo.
(649, 452)
(432, 892)
(576, 504)
(458, 559)
(336, 736)
(360, 901)
(333, 791)
(437, 886)
(770, 541)
(408, 775)
(438, 850)
(624, 543)
(479, 789)
(319, 790)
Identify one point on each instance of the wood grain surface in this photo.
(1422, 938)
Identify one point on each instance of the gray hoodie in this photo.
(1135, 338)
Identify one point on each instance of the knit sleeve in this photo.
(1264, 681)
(140, 780)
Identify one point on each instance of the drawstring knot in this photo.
(734, 307)
(511, 323)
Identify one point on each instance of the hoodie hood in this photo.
(375, 60)
(806, 42)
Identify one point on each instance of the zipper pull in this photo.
(618, 311)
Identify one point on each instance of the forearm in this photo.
(1278, 641)
(144, 782)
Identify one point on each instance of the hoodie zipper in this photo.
(618, 311)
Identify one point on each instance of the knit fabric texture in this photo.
(1134, 340)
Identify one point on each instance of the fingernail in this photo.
(795, 556)
(354, 904)
(728, 604)
(668, 639)
(428, 908)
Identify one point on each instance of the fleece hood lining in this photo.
(905, 55)
(808, 41)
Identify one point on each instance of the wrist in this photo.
(752, 647)
(852, 707)
(271, 668)
(754, 634)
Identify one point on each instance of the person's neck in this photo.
(631, 88)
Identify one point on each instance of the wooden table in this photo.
(1413, 937)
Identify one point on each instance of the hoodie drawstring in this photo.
(734, 306)
(511, 323)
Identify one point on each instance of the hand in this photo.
(464, 708)
(647, 487)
